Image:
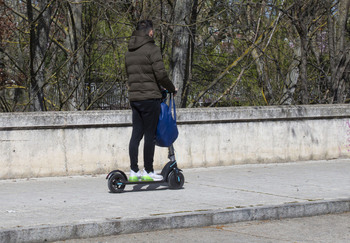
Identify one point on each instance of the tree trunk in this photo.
(180, 46)
(191, 46)
(39, 36)
(292, 78)
(338, 51)
(3, 103)
(2, 54)
(264, 79)
(304, 43)
(75, 65)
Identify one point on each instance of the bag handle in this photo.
(172, 104)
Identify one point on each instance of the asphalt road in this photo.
(325, 228)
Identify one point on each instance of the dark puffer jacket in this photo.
(145, 69)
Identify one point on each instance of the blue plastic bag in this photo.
(167, 131)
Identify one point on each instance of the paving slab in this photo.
(60, 208)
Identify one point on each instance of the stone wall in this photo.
(95, 142)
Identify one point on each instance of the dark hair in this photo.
(145, 25)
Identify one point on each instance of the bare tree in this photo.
(339, 49)
(292, 78)
(190, 55)
(75, 64)
(263, 37)
(3, 76)
(302, 14)
(69, 55)
(39, 40)
(180, 44)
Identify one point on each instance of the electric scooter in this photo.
(172, 175)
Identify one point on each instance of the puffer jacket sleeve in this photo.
(159, 69)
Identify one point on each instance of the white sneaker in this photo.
(134, 176)
(150, 176)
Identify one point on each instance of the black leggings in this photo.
(145, 115)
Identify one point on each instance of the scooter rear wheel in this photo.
(114, 182)
(176, 180)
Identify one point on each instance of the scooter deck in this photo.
(140, 182)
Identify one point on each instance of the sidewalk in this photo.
(62, 208)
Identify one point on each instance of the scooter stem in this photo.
(171, 153)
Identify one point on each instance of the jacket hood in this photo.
(138, 39)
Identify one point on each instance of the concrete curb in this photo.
(172, 221)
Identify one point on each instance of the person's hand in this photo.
(164, 94)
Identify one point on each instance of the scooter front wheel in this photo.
(176, 180)
(115, 182)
